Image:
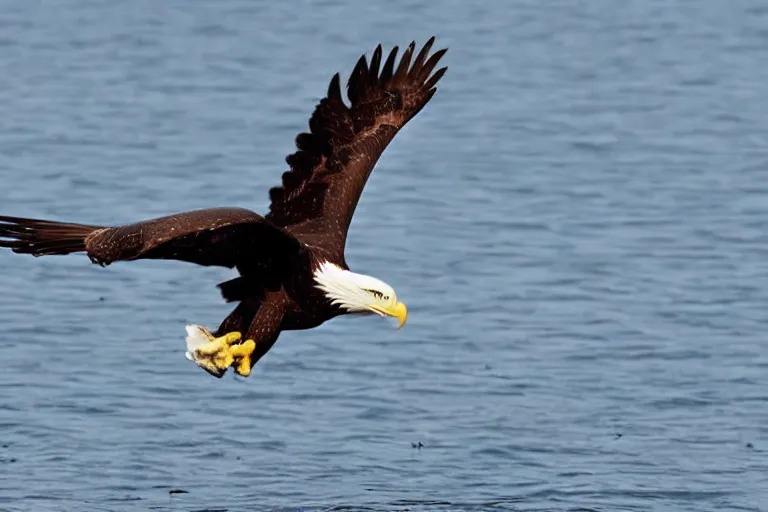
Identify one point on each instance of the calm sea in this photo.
(578, 222)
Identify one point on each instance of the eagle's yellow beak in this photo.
(398, 311)
(401, 313)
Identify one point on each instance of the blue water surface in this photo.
(578, 222)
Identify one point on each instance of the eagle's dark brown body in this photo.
(309, 215)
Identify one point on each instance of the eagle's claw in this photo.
(242, 357)
(216, 355)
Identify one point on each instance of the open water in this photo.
(578, 222)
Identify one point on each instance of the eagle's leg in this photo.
(216, 354)
(262, 333)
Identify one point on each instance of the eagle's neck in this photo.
(348, 290)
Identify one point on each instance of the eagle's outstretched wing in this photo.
(226, 237)
(319, 193)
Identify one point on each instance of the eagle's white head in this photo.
(358, 293)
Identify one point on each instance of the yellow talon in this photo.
(216, 355)
(242, 354)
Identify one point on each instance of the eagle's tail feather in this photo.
(43, 237)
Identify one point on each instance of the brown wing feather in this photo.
(226, 237)
(320, 192)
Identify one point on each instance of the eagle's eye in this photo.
(376, 293)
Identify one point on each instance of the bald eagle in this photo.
(291, 266)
